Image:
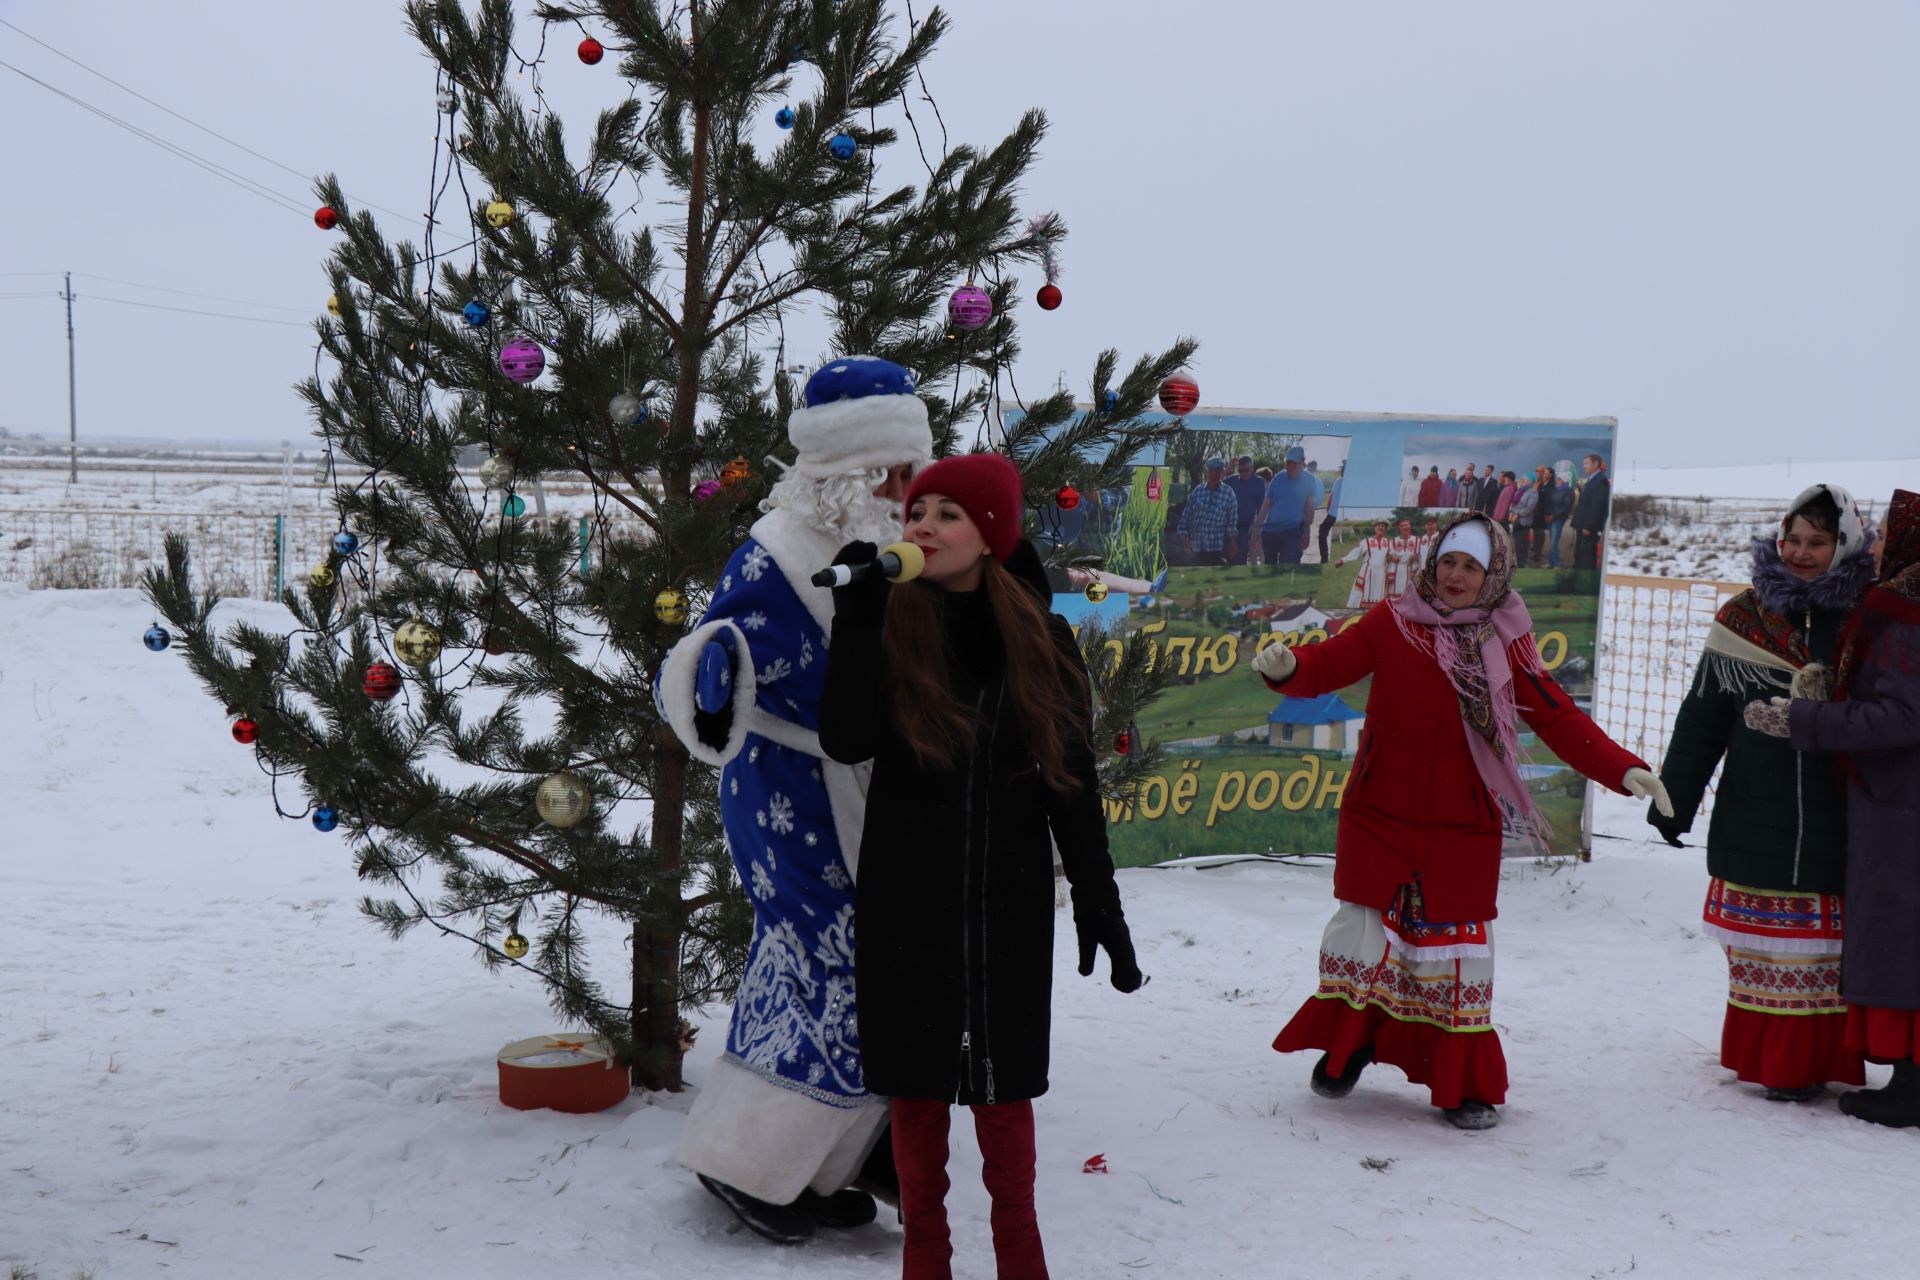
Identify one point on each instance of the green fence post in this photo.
(586, 545)
(279, 555)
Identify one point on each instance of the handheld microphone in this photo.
(897, 562)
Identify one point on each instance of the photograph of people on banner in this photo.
(1256, 528)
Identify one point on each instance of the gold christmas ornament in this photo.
(416, 643)
(735, 471)
(563, 799)
(670, 607)
(515, 946)
(333, 305)
(321, 578)
(1096, 591)
(499, 214)
(496, 472)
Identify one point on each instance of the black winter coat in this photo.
(954, 905)
(1779, 815)
(1590, 508)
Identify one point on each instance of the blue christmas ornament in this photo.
(1112, 400)
(784, 117)
(477, 313)
(843, 146)
(326, 818)
(513, 506)
(345, 543)
(156, 638)
(856, 377)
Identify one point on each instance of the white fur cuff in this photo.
(679, 675)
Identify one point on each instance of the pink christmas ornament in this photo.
(969, 307)
(522, 360)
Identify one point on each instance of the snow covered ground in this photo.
(214, 1067)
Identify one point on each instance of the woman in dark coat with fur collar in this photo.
(1776, 849)
(971, 700)
(1874, 719)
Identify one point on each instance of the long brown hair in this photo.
(1048, 690)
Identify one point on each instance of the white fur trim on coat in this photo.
(774, 1143)
(679, 675)
(873, 431)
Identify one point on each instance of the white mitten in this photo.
(1276, 662)
(1641, 783)
(1770, 717)
(1813, 681)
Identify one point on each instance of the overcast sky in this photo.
(1697, 215)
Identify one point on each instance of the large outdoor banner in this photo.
(1306, 522)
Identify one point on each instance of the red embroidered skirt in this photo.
(1783, 986)
(1420, 994)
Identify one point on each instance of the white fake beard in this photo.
(842, 506)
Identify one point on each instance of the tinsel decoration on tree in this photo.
(558, 793)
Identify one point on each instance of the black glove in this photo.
(1668, 831)
(1108, 929)
(863, 600)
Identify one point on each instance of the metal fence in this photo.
(1652, 632)
(236, 554)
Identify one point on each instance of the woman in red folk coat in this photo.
(1406, 965)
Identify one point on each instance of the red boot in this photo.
(1005, 1130)
(920, 1158)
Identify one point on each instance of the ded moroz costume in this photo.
(785, 1119)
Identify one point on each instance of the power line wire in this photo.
(190, 311)
(218, 170)
(305, 177)
(187, 293)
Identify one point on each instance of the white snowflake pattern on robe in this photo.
(780, 813)
(835, 874)
(754, 621)
(772, 1023)
(778, 669)
(755, 563)
(762, 883)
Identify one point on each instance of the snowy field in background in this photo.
(216, 1068)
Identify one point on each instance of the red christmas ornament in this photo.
(382, 682)
(1122, 743)
(245, 730)
(325, 218)
(591, 51)
(1067, 498)
(1049, 296)
(1179, 393)
(1153, 485)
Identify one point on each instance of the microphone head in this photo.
(912, 560)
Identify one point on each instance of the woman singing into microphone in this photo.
(970, 698)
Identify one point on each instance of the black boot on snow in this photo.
(780, 1223)
(1806, 1093)
(877, 1177)
(843, 1210)
(1897, 1106)
(1472, 1114)
(1328, 1085)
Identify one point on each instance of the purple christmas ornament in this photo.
(522, 360)
(969, 307)
(706, 489)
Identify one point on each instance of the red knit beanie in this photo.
(987, 487)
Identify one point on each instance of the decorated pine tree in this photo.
(465, 689)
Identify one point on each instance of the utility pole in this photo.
(73, 431)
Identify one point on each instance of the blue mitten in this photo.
(713, 692)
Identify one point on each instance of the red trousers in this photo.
(1005, 1131)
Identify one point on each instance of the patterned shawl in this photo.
(1470, 644)
(1895, 599)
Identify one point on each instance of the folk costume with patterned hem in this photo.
(1406, 965)
(786, 1108)
(1377, 571)
(1776, 847)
